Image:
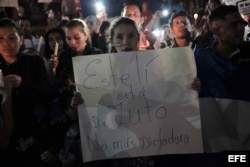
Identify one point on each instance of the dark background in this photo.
(113, 7)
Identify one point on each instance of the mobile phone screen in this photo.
(100, 8)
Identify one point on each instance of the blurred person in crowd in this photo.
(61, 23)
(162, 15)
(64, 149)
(65, 143)
(166, 36)
(146, 13)
(36, 13)
(6, 114)
(53, 36)
(243, 7)
(199, 20)
(181, 29)
(55, 129)
(79, 9)
(78, 39)
(223, 69)
(51, 20)
(133, 10)
(30, 42)
(154, 22)
(102, 39)
(26, 9)
(91, 21)
(211, 6)
(94, 23)
(31, 92)
(55, 6)
(247, 32)
(203, 36)
(21, 11)
(11, 12)
(68, 9)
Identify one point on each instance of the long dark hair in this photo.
(117, 22)
(7, 22)
(48, 50)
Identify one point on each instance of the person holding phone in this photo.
(95, 22)
(124, 36)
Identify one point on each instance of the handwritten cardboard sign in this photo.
(138, 104)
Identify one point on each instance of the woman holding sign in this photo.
(124, 36)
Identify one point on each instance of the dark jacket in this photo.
(35, 89)
(64, 71)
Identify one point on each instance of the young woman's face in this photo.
(125, 38)
(76, 39)
(54, 38)
(10, 42)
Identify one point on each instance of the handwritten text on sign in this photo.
(138, 104)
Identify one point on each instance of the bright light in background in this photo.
(157, 33)
(99, 6)
(165, 12)
(196, 16)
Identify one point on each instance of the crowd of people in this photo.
(39, 123)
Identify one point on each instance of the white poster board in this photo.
(230, 2)
(8, 3)
(244, 7)
(138, 104)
